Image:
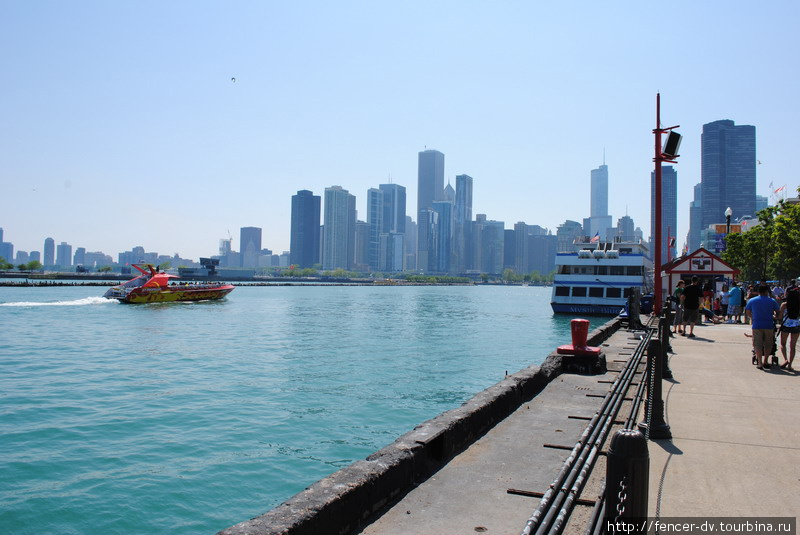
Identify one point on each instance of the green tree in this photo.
(34, 265)
(4, 264)
(104, 269)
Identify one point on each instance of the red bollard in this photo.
(580, 333)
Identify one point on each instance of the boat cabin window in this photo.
(625, 250)
(596, 292)
(579, 291)
(135, 283)
(562, 291)
(564, 270)
(613, 292)
(602, 270)
(617, 270)
(627, 293)
(634, 270)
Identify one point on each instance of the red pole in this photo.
(657, 232)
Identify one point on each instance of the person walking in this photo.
(677, 305)
(790, 325)
(691, 304)
(735, 303)
(760, 310)
(724, 300)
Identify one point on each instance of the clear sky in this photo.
(120, 124)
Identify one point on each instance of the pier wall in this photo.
(340, 503)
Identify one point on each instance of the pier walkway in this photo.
(734, 452)
(735, 448)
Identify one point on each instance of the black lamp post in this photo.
(728, 214)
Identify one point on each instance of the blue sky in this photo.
(121, 125)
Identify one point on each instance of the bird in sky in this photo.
(233, 79)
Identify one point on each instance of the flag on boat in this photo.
(596, 238)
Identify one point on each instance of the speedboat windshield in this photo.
(135, 283)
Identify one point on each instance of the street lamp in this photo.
(728, 214)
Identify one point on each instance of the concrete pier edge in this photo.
(343, 501)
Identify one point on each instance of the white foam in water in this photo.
(76, 302)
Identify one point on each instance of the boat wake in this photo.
(77, 302)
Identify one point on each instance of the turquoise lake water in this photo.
(188, 418)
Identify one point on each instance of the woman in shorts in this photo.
(790, 325)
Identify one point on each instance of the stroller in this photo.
(773, 354)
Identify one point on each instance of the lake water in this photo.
(188, 418)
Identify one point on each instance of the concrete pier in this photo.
(735, 448)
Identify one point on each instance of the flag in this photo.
(596, 238)
(780, 189)
(672, 242)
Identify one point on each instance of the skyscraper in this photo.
(599, 221)
(64, 255)
(444, 239)
(375, 222)
(599, 193)
(339, 242)
(304, 242)
(249, 246)
(49, 252)
(728, 171)
(695, 219)
(462, 216)
(430, 188)
(393, 232)
(669, 211)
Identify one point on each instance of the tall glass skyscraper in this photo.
(304, 244)
(49, 252)
(728, 171)
(599, 198)
(339, 242)
(430, 188)
(669, 211)
(462, 239)
(249, 246)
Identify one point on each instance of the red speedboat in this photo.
(154, 286)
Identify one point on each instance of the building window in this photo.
(562, 291)
(579, 291)
(613, 292)
(595, 292)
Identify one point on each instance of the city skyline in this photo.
(114, 141)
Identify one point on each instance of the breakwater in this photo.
(342, 502)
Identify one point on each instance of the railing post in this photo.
(654, 426)
(664, 325)
(627, 481)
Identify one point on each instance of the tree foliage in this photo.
(770, 250)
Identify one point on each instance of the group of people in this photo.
(763, 307)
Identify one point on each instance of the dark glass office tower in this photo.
(669, 210)
(430, 188)
(304, 244)
(249, 246)
(728, 171)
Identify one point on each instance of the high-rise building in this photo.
(430, 188)
(728, 171)
(64, 254)
(79, 259)
(599, 220)
(249, 246)
(695, 219)
(305, 234)
(339, 242)
(669, 211)
(488, 245)
(626, 229)
(444, 238)
(462, 226)
(375, 222)
(566, 234)
(392, 236)
(599, 193)
(762, 203)
(49, 252)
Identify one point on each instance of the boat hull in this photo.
(169, 295)
(587, 309)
